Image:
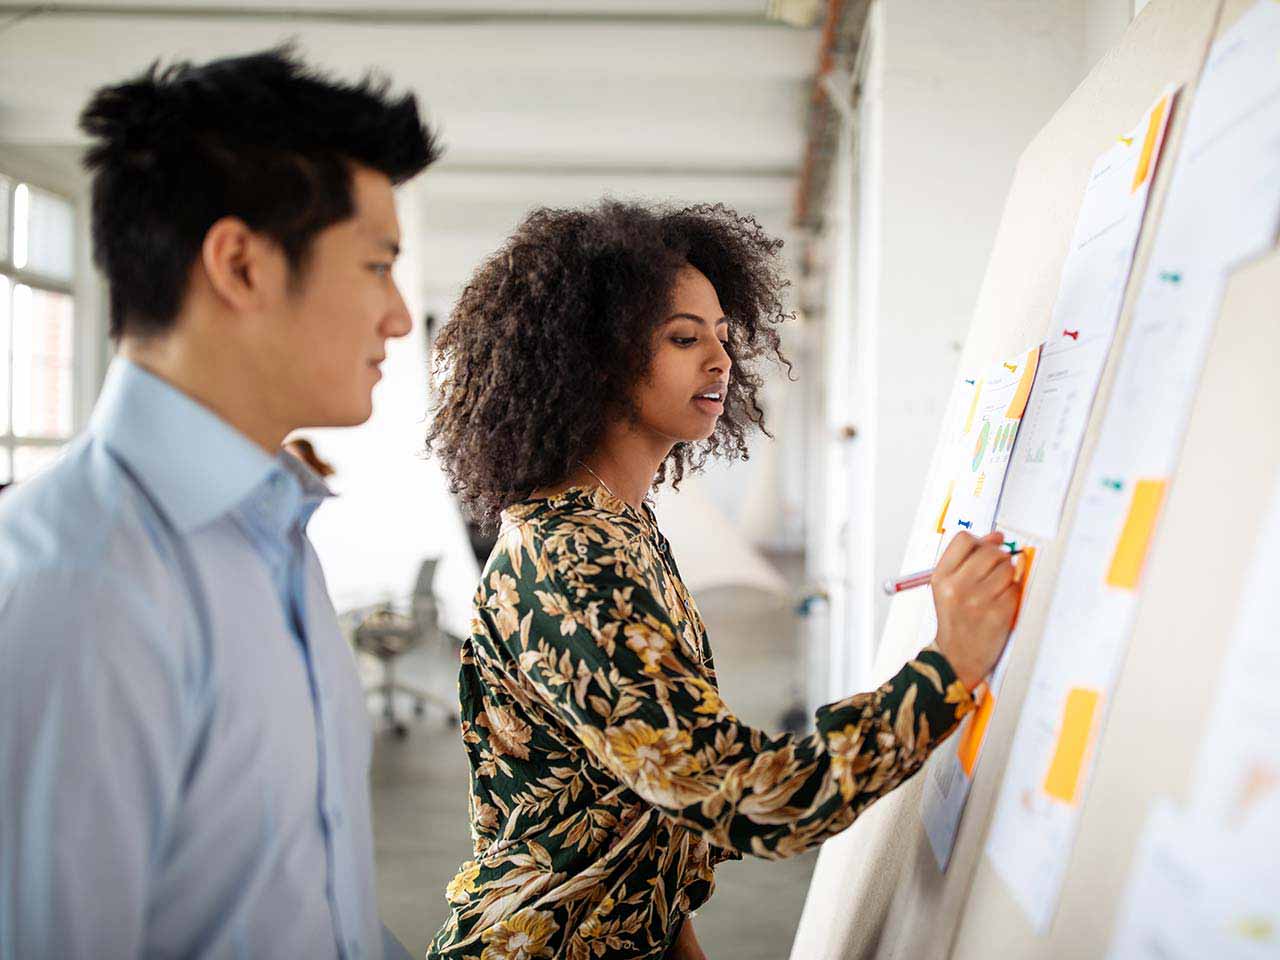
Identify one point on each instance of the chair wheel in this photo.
(419, 708)
(401, 730)
(451, 720)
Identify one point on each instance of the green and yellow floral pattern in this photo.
(608, 778)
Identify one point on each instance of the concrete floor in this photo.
(420, 792)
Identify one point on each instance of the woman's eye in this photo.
(685, 341)
(381, 269)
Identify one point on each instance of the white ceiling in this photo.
(539, 101)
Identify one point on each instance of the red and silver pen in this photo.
(913, 580)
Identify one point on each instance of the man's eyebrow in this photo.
(695, 318)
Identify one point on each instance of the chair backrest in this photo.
(425, 610)
(426, 577)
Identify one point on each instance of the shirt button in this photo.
(335, 817)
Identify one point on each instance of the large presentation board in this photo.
(877, 890)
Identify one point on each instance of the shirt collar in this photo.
(195, 464)
(289, 494)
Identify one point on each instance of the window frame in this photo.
(11, 442)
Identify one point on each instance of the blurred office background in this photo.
(876, 138)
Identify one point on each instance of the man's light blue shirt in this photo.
(184, 747)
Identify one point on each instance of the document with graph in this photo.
(1078, 341)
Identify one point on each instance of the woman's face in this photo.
(683, 395)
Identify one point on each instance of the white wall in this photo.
(1104, 23)
(948, 102)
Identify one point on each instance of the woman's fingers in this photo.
(977, 558)
(959, 550)
(1000, 575)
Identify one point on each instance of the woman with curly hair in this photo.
(597, 354)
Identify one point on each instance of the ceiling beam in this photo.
(571, 169)
(375, 15)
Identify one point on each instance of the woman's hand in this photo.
(975, 595)
(686, 946)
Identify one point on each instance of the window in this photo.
(37, 327)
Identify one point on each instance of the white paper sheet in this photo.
(990, 429)
(1196, 891)
(1085, 314)
(949, 773)
(1207, 883)
(982, 450)
(1223, 207)
(1238, 769)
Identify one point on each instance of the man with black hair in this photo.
(184, 746)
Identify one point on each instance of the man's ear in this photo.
(244, 268)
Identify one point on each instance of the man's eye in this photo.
(381, 269)
(685, 341)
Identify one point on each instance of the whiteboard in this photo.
(876, 890)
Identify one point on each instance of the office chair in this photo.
(387, 635)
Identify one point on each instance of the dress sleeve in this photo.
(597, 645)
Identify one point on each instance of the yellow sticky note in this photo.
(973, 407)
(1149, 144)
(975, 733)
(1078, 717)
(1019, 402)
(1135, 537)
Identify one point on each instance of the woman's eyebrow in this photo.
(695, 318)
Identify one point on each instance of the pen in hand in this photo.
(919, 579)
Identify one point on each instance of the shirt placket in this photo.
(287, 560)
(340, 887)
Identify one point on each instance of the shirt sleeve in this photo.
(599, 647)
(92, 718)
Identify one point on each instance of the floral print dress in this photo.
(608, 778)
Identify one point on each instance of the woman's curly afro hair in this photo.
(554, 331)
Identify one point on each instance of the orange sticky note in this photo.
(1021, 575)
(946, 504)
(1019, 402)
(1149, 144)
(975, 733)
(1078, 717)
(1135, 537)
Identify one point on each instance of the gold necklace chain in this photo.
(600, 480)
